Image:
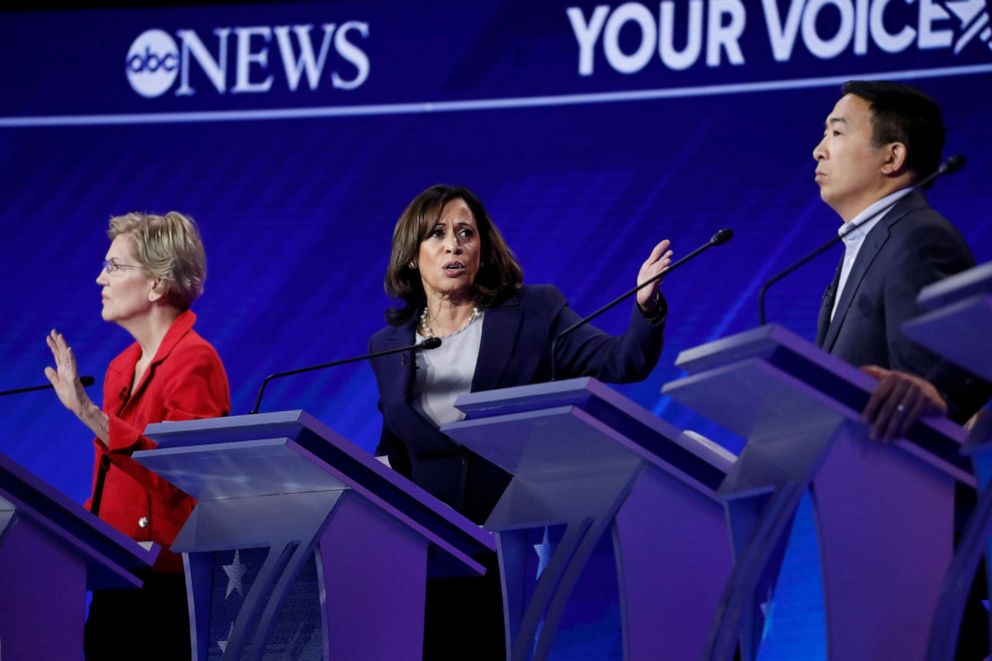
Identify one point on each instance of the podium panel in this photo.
(302, 545)
(957, 326)
(584, 456)
(51, 552)
(958, 320)
(883, 512)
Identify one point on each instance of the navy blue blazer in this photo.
(515, 350)
(911, 247)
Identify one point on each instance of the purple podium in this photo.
(959, 320)
(302, 545)
(884, 513)
(584, 456)
(957, 326)
(51, 552)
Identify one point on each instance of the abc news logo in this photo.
(239, 61)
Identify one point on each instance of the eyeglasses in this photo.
(110, 266)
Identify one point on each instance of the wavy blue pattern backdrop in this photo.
(582, 167)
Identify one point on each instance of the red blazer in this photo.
(185, 380)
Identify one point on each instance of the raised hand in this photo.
(660, 259)
(65, 376)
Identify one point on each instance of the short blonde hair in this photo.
(170, 248)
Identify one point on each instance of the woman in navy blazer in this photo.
(458, 280)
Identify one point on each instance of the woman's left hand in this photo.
(659, 260)
(65, 380)
(65, 377)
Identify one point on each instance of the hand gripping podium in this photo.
(51, 552)
(584, 456)
(958, 325)
(884, 513)
(302, 545)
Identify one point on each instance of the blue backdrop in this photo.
(296, 134)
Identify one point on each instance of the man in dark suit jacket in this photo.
(879, 140)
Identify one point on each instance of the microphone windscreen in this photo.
(430, 343)
(722, 236)
(953, 164)
(87, 381)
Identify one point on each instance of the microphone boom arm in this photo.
(429, 343)
(951, 165)
(721, 236)
(87, 381)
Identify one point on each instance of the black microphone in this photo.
(426, 345)
(950, 166)
(722, 236)
(87, 381)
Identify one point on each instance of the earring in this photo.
(413, 265)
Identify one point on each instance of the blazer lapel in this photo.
(117, 389)
(399, 379)
(181, 325)
(827, 305)
(866, 256)
(869, 250)
(400, 367)
(499, 335)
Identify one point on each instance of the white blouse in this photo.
(446, 372)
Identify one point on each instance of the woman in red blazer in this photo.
(153, 270)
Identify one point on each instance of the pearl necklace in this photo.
(425, 322)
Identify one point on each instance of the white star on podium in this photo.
(543, 551)
(767, 611)
(222, 644)
(235, 572)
